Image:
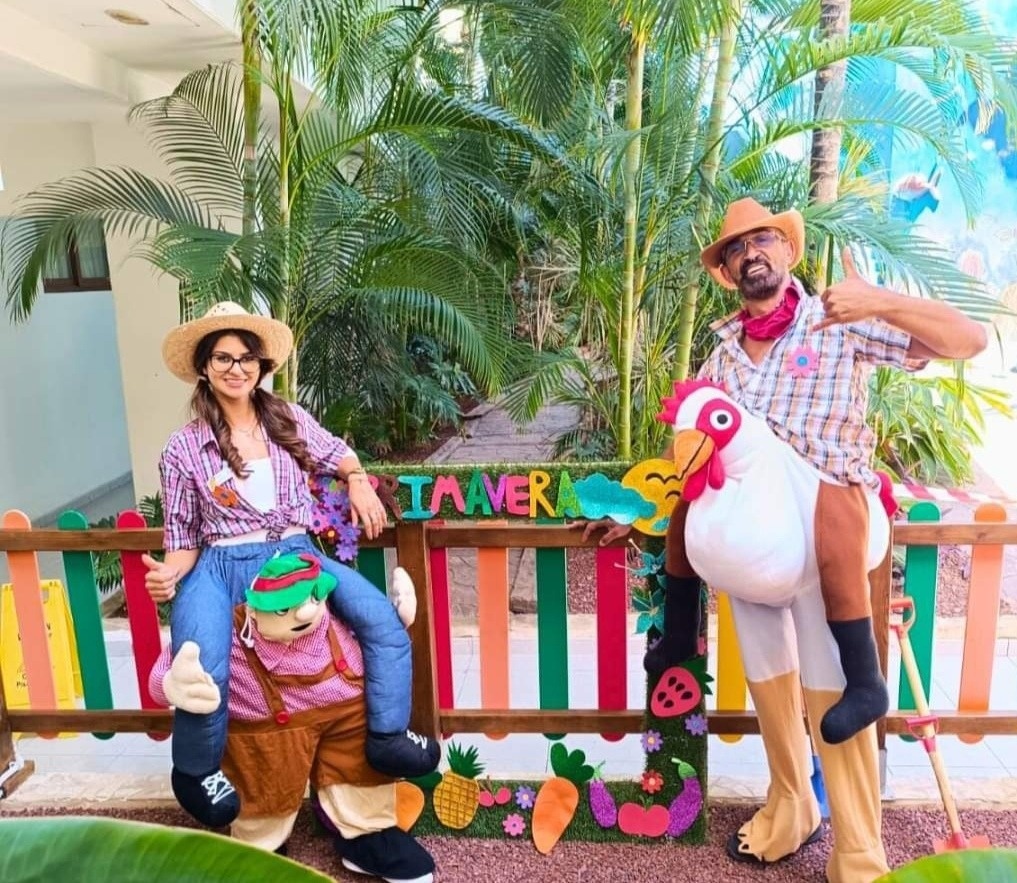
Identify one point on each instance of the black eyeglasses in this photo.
(760, 240)
(223, 362)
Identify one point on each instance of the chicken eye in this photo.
(721, 420)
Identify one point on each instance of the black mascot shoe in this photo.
(392, 854)
(402, 755)
(210, 798)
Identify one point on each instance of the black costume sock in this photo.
(682, 610)
(865, 698)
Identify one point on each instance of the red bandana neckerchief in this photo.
(775, 323)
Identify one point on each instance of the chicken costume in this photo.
(297, 715)
(781, 509)
(750, 529)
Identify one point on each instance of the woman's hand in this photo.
(365, 507)
(161, 579)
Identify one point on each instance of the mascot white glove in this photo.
(187, 685)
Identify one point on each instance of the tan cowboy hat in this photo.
(744, 216)
(178, 346)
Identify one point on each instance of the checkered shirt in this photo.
(812, 386)
(196, 518)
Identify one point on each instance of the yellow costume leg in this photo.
(790, 817)
(359, 809)
(850, 768)
(267, 833)
(851, 774)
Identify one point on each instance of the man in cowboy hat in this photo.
(802, 363)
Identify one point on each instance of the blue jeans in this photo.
(203, 612)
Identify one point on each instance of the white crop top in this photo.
(259, 487)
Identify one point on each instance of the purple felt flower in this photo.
(514, 824)
(525, 796)
(319, 521)
(651, 741)
(696, 724)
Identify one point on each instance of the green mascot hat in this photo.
(288, 581)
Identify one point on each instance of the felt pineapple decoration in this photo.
(455, 796)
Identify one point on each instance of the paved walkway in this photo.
(135, 768)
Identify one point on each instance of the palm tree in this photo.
(360, 202)
(706, 137)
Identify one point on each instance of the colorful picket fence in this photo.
(38, 651)
(423, 550)
(493, 622)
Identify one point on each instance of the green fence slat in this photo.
(552, 627)
(921, 568)
(86, 613)
(371, 564)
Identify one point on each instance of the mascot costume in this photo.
(747, 525)
(297, 715)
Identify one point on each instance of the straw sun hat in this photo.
(178, 346)
(743, 216)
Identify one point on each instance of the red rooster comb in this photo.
(682, 390)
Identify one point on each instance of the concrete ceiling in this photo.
(64, 59)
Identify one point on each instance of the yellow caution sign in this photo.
(63, 651)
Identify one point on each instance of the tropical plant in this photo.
(82, 848)
(108, 573)
(926, 426)
(965, 864)
(704, 138)
(358, 216)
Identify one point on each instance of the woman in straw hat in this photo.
(235, 493)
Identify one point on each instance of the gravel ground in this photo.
(907, 833)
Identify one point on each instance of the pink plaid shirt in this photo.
(192, 465)
(812, 387)
(307, 655)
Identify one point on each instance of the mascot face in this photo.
(656, 482)
(705, 420)
(287, 597)
(285, 626)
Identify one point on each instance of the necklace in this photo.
(253, 433)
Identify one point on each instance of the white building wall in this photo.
(63, 434)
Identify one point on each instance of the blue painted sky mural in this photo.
(988, 250)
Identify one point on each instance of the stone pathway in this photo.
(492, 438)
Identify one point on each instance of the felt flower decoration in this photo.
(696, 724)
(330, 517)
(651, 741)
(802, 361)
(652, 781)
(514, 824)
(525, 796)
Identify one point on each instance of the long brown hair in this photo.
(273, 413)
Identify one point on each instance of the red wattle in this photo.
(695, 485)
(717, 474)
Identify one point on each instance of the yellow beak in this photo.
(692, 451)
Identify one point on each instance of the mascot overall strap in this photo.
(272, 759)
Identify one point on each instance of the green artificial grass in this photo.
(488, 822)
(678, 742)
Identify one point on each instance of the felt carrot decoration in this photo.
(409, 804)
(558, 798)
